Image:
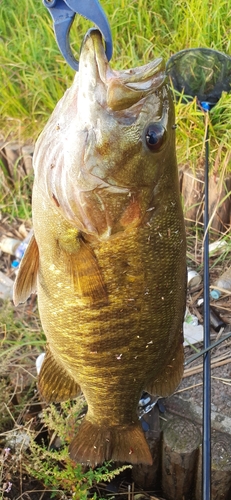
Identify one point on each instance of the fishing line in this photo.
(204, 74)
(198, 354)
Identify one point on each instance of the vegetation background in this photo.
(33, 74)
(33, 77)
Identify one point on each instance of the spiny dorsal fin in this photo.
(54, 383)
(26, 281)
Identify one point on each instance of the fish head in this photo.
(110, 141)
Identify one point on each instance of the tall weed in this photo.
(33, 74)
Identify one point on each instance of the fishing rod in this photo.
(206, 446)
(204, 74)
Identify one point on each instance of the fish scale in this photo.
(108, 256)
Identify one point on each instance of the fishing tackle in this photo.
(204, 74)
(63, 13)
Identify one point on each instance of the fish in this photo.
(108, 254)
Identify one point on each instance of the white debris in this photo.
(39, 362)
(194, 278)
(217, 247)
(6, 287)
(18, 439)
(192, 333)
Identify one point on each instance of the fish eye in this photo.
(155, 136)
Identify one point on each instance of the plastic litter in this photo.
(190, 319)
(6, 287)
(192, 333)
(224, 282)
(194, 278)
(15, 247)
(9, 245)
(215, 294)
(21, 248)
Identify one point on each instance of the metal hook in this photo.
(63, 13)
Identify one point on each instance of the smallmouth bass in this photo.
(108, 255)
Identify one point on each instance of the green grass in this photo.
(15, 199)
(33, 74)
(55, 468)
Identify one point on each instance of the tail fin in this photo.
(94, 444)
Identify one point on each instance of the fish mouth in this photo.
(125, 88)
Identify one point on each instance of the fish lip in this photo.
(93, 48)
(144, 78)
(94, 35)
(134, 78)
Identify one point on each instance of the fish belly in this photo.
(129, 340)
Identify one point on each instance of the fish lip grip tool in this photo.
(63, 13)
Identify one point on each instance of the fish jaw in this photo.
(117, 90)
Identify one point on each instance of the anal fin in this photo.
(26, 281)
(169, 379)
(54, 383)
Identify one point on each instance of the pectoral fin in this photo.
(54, 383)
(87, 277)
(26, 280)
(169, 379)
